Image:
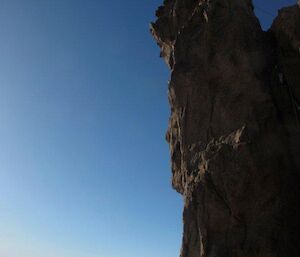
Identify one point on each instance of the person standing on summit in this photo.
(205, 5)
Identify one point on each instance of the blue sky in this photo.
(84, 167)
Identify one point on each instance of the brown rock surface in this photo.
(233, 131)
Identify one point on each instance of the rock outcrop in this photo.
(234, 128)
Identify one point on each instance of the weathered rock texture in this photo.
(234, 129)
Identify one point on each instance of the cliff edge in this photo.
(234, 129)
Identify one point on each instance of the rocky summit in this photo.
(234, 128)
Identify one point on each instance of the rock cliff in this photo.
(234, 130)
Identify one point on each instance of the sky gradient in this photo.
(84, 167)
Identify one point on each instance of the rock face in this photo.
(234, 130)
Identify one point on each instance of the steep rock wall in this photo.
(233, 130)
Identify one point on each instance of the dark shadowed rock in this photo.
(234, 126)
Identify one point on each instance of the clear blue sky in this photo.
(84, 167)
